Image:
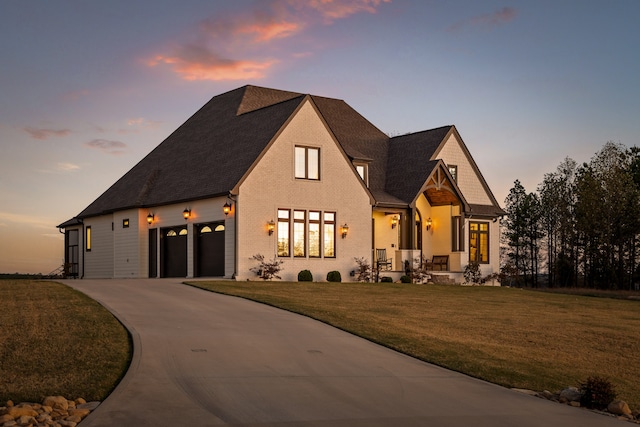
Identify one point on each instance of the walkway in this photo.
(203, 359)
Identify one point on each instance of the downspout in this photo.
(235, 236)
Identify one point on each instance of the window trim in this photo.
(365, 172)
(318, 223)
(453, 171)
(307, 163)
(87, 239)
(286, 253)
(296, 223)
(479, 232)
(326, 224)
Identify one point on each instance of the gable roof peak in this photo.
(257, 97)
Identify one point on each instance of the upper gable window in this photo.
(364, 173)
(307, 163)
(453, 170)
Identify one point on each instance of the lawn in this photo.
(513, 337)
(56, 341)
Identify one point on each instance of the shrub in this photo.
(386, 279)
(363, 272)
(418, 271)
(334, 276)
(472, 273)
(267, 270)
(597, 393)
(405, 279)
(305, 276)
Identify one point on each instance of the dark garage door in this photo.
(174, 252)
(210, 249)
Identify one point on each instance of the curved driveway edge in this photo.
(205, 359)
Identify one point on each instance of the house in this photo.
(300, 178)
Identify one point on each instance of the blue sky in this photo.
(89, 88)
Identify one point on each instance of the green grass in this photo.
(56, 341)
(513, 337)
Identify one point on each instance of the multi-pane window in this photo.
(306, 233)
(329, 234)
(299, 241)
(479, 242)
(283, 232)
(314, 234)
(307, 163)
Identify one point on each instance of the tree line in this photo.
(581, 226)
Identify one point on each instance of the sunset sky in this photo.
(88, 88)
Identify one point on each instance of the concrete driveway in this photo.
(203, 359)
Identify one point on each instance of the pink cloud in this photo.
(114, 148)
(338, 9)
(237, 48)
(265, 32)
(194, 62)
(492, 20)
(40, 133)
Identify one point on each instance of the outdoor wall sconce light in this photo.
(226, 208)
(344, 230)
(270, 227)
(429, 222)
(394, 221)
(186, 213)
(150, 218)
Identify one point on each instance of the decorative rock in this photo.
(79, 412)
(25, 420)
(56, 402)
(80, 401)
(570, 394)
(9, 403)
(619, 407)
(22, 410)
(4, 418)
(66, 423)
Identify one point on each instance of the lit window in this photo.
(125, 223)
(205, 229)
(183, 232)
(283, 232)
(299, 243)
(171, 233)
(329, 234)
(307, 163)
(314, 234)
(219, 228)
(479, 242)
(88, 239)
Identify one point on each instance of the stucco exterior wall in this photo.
(271, 185)
(468, 181)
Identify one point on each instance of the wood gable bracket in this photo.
(440, 190)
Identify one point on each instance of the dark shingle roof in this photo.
(360, 139)
(207, 155)
(409, 163)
